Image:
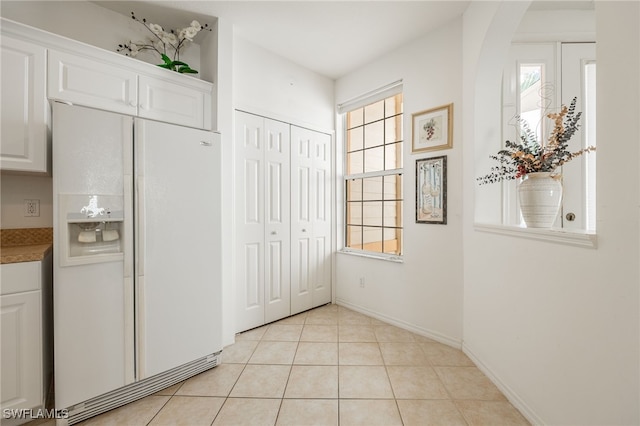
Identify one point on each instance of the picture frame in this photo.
(432, 129)
(431, 190)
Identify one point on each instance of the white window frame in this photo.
(342, 109)
(549, 55)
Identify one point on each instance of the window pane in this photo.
(355, 118)
(393, 129)
(590, 139)
(372, 188)
(354, 213)
(374, 159)
(392, 241)
(355, 139)
(374, 134)
(393, 105)
(374, 112)
(393, 156)
(354, 190)
(392, 187)
(372, 239)
(354, 237)
(372, 213)
(531, 102)
(355, 162)
(373, 205)
(392, 213)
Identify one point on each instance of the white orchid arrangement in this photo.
(163, 42)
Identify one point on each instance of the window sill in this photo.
(570, 238)
(387, 257)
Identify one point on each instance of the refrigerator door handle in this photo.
(128, 227)
(140, 226)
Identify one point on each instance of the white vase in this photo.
(540, 197)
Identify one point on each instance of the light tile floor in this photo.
(328, 366)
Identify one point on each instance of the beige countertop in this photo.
(25, 244)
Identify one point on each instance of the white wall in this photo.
(267, 84)
(557, 327)
(424, 293)
(16, 189)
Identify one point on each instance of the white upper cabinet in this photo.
(24, 146)
(158, 95)
(89, 82)
(174, 101)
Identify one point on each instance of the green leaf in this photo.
(187, 70)
(166, 59)
(167, 66)
(180, 63)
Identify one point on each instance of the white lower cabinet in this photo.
(283, 262)
(26, 364)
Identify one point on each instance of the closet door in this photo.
(277, 277)
(310, 219)
(263, 220)
(249, 220)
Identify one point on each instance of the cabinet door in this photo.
(24, 110)
(310, 219)
(90, 82)
(172, 102)
(21, 350)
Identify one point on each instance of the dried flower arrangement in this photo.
(529, 156)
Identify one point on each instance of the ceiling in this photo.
(331, 38)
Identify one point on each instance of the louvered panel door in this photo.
(311, 219)
(277, 221)
(250, 239)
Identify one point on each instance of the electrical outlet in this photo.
(31, 208)
(361, 282)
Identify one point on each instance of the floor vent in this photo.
(134, 391)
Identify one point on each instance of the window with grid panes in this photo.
(373, 177)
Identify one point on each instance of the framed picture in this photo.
(432, 129)
(431, 190)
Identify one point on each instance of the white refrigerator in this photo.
(137, 225)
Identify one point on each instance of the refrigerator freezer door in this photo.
(178, 247)
(93, 303)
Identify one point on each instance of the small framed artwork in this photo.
(431, 190)
(432, 129)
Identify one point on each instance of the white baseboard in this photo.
(438, 337)
(513, 398)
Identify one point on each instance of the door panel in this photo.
(311, 219)
(277, 232)
(250, 221)
(178, 187)
(93, 296)
(322, 220)
(24, 107)
(21, 353)
(578, 176)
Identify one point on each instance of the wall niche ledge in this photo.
(559, 236)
